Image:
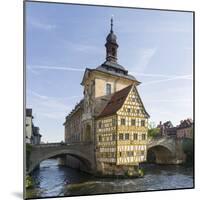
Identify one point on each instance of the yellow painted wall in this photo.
(101, 80)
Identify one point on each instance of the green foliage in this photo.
(29, 181)
(28, 147)
(28, 152)
(141, 172)
(153, 132)
(152, 125)
(126, 173)
(187, 145)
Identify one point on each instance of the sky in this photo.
(62, 40)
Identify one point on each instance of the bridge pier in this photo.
(72, 162)
(180, 154)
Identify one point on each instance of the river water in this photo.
(50, 180)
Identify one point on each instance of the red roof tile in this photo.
(116, 102)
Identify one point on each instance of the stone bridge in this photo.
(84, 152)
(166, 150)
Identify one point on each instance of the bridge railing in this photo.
(58, 144)
(159, 137)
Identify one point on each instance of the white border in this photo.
(11, 100)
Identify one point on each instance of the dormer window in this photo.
(108, 88)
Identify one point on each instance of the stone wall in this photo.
(71, 161)
(117, 170)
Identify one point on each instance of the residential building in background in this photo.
(29, 125)
(167, 129)
(185, 129)
(32, 133)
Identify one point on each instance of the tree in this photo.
(151, 125)
(152, 130)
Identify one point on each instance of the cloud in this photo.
(154, 75)
(40, 25)
(32, 70)
(86, 48)
(82, 46)
(48, 97)
(38, 95)
(183, 77)
(169, 100)
(145, 55)
(49, 107)
(47, 67)
(148, 26)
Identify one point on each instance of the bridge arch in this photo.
(160, 154)
(40, 154)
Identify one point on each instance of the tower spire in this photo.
(111, 45)
(111, 24)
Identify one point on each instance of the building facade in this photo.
(29, 125)
(121, 131)
(36, 136)
(111, 115)
(167, 129)
(32, 132)
(185, 129)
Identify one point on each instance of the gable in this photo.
(85, 76)
(133, 105)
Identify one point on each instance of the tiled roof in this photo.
(185, 123)
(168, 124)
(114, 65)
(116, 102)
(128, 76)
(113, 69)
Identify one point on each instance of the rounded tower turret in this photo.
(111, 45)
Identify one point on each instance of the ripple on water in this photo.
(50, 180)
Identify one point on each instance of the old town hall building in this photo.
(111, 115)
